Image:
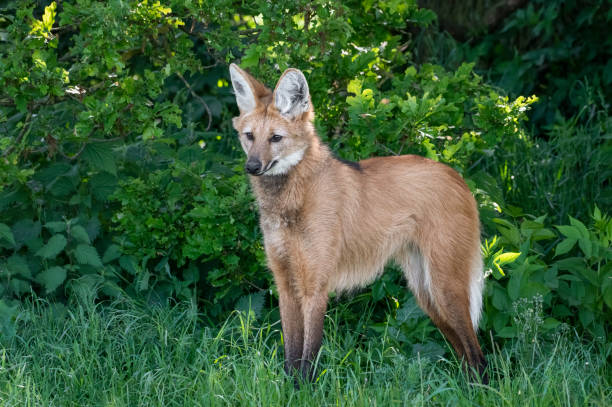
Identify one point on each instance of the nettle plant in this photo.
(568, 266)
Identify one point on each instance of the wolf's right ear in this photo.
(245, 96)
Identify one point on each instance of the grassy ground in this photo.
(127, 355)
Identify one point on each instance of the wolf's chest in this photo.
(277, 232)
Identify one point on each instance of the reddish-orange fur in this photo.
(330, 226)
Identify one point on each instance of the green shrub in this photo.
(119, 168)
(568, 267)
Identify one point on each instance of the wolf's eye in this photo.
(249, 136)
(276, 138)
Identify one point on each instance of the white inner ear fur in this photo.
(244, 94)
(291, 96)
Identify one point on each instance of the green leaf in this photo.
(586, 246)
(6, 234)
(100, 156)
(17, 265)
(252, 302)
(550, 323)
(251, 57)
(103, 185)
(543, 234)
(565, 246)
(56, 227)
(500, 299)
(506, 258)
(354, 86)
(584, 232)
(53, 247)
(514, 285)
(142, 281)
(86, 254)
(52, 278)
(607, 296)
(49, 17)
(508, 230)
(129, 264)
(80, 234)
(113, 252)
(586, 317)
(569, 231)
(25, 230)
(8, 314)
(61, 186)
(507, 332)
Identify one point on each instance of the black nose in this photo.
(253, 166)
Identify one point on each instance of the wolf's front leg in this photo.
(313, 309)
(293, 328)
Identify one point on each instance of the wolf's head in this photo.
(275, 127)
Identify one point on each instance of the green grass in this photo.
(125, 355)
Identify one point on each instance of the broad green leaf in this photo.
(550, 323)
(507, 332)
(86, 254)
(53, 247)
(6, 234)
(16, 264)
(586, 316)
(576, 264)
(508, 230)
(500, 299)
(25, 230)
(80, 234)
(129, 264)
(514, 285)
(102, 185)
(19, 286)
(51, 278)
(586, 246)
(100, 156)
(56, 227)
(252, 302)
(543, 234)
(584, 232)
(113, 252)
(569, 231)
(62, 186)
(565, 246)
(93, 228)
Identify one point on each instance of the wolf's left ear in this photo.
(291, 95)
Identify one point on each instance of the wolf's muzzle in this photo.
(253, 166)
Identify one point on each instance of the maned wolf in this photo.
(333, 225)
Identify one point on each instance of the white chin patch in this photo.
(286, 163)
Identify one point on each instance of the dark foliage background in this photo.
(120, 174)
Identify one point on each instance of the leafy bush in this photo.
(569, 268)
(120, 170)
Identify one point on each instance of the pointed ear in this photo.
(291, 95)
(244, 90)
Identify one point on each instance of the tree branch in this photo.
(199, 98)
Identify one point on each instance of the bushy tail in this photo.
(476, 287)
